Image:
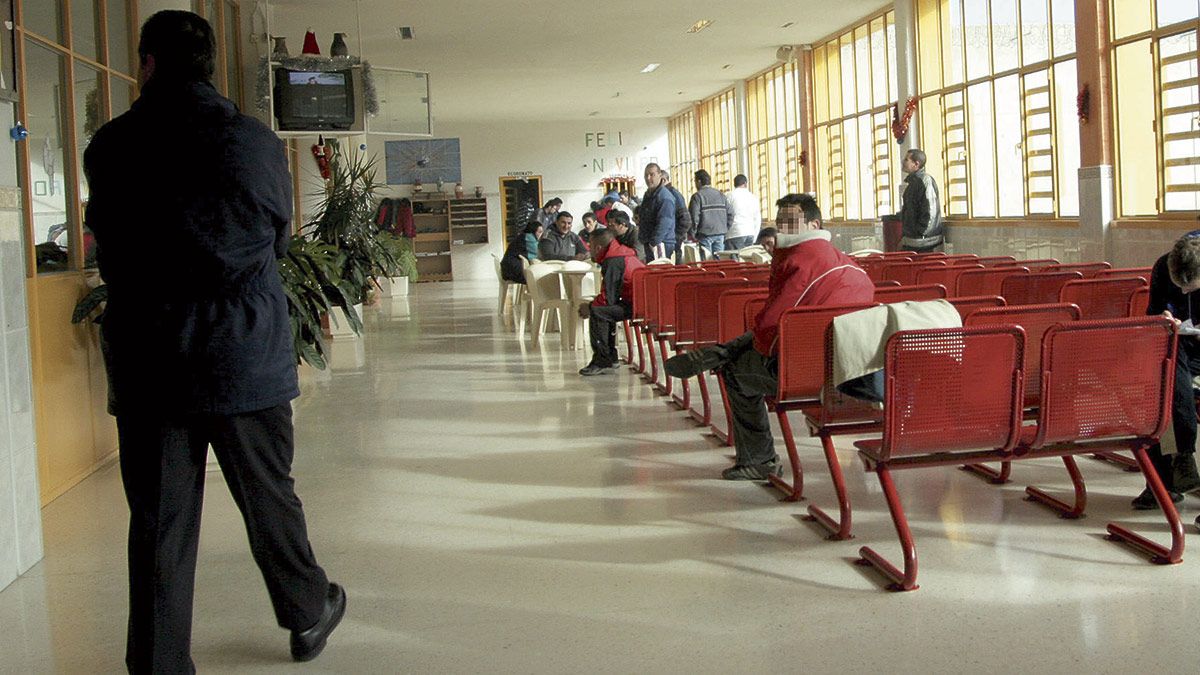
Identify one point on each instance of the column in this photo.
(906, 63)
(1097, 201)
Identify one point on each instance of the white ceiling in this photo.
(565, 59)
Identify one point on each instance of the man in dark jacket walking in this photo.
(685, 227)
(656, 216)
(921, 207)
(208, 359)
(710, 213)
(614, 303)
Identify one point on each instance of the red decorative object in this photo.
(614, 180)
(1083, 104)
(900, 123)
(310, 44)
(803, 158)
(322, 153)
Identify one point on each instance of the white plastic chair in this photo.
(545, 294)
(507, 292)
(661, 261)
(755, 254)
(863, 252)
(690, 252)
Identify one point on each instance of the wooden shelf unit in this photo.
(431, 219)
(469, 220)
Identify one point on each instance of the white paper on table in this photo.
(1187, 328)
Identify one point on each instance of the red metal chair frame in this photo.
(906, 272)
(731, 313)
(663, 328)
(1032, 263)
(993, 260)
(967, 305)
(1036, 288)
(702, 298)
(638, 319)
(925, 292)
(941, 409)
(986, 281)
(1088, 269)
(946, 276)
(1143, 272)
(1139, 302)
(1106, 298)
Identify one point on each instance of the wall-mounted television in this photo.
(313, 100)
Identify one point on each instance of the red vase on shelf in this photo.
(310, 44)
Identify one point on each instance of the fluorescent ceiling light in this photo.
(651, 67)
(700, 25)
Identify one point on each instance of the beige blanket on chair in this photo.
(859, 337)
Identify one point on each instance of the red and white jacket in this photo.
(806, 269)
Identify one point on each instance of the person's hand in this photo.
(585, 311)
(581, 256)
(1167, 315)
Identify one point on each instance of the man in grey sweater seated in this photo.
(560, 243)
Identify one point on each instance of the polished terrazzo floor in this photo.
(488, 510)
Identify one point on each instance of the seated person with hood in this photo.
(614, 303)
(560, 243)
(806, 270)
(625, 232)
(524, 244)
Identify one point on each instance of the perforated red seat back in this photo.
(1106, 379)
(1104, 298)
(993, 260)
(967, 305)
(1036, 320)
(1139, 302)
(753, 307)
(653, 281)
(802, 334)
(946, 276)
(667, 314)
(1142, 272)
(902, 293)
(986, 281)
(758, 275)
(731, 311)
(1088, 270)
(906, 272)
(640, 277)
(1036, 288)
(706, 322)
(1032, 263)
(952, 389)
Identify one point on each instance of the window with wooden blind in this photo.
(716, 119)
(773, 133)
(997, 106)
(681, 144)
(854, 84)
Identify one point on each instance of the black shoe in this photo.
(691, 364)
(1198, 522)
(753, 471)
(1187, 478)
(596, 369)
(1147, 502)
(307, 644)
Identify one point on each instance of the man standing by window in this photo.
(921, 207)
(745, 215)
(710, 213)
(207, 359)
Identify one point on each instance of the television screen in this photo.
(313, 100)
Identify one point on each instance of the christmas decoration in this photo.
(614, 180)
(310, 44)
(322, 153)
(1083, 104)
(803, 158)
(900, 123)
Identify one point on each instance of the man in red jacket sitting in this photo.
(614, 302)
(806, 270)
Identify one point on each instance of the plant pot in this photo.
(393, 287)
(338, 325)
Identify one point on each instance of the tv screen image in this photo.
(313, 100)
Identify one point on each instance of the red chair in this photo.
(663, 326)
(757, 274)
(902, 293)
(802, 377)
(1143, 272)
(1139, 302)
(906, 272)
(637, 319)
(1088, 270)
(703, 329)
(1106, 387)
(1035, 288)
(966, 306)
(646, 314)
(993, 260)
(946, 276)
(887, 284)
(986, 281)
(1033, 263)
(731, 313)
(1103, 298)
(1035, 320)
(952, 396)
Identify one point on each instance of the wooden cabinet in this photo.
(469, 221)
(441, 223)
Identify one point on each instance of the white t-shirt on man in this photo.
(747, 214)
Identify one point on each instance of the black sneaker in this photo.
(753, 471)
(1187, 478)
(1147, 502)
(691, 364)
(595, 369)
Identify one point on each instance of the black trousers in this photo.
(1183, 409)
(162, 468)
(749, 378)
(602, 324)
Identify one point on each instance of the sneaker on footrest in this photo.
(1147, 502)
(752, 471)
(691, 364)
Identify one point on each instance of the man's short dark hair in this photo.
(182, 44)
(532, 226)
(601, 237)
(1183, 262)
(702, 178)
(595, 206)
(917, 156)
(553, 202)
(563, 214)
(588, 215)
(740, 180)
(764, 233)
(802, 202)
(608, 200)
(618, 218)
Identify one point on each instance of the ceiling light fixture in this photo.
(700, 25)
(727, 66)
(651, 67)
(405, 32)
(788, 24)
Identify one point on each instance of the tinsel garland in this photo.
(324, 64)
(900, 122)
(1083, 104)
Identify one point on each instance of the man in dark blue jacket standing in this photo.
(185, 188)
(656, 216)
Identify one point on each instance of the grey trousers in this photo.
(749, 378)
